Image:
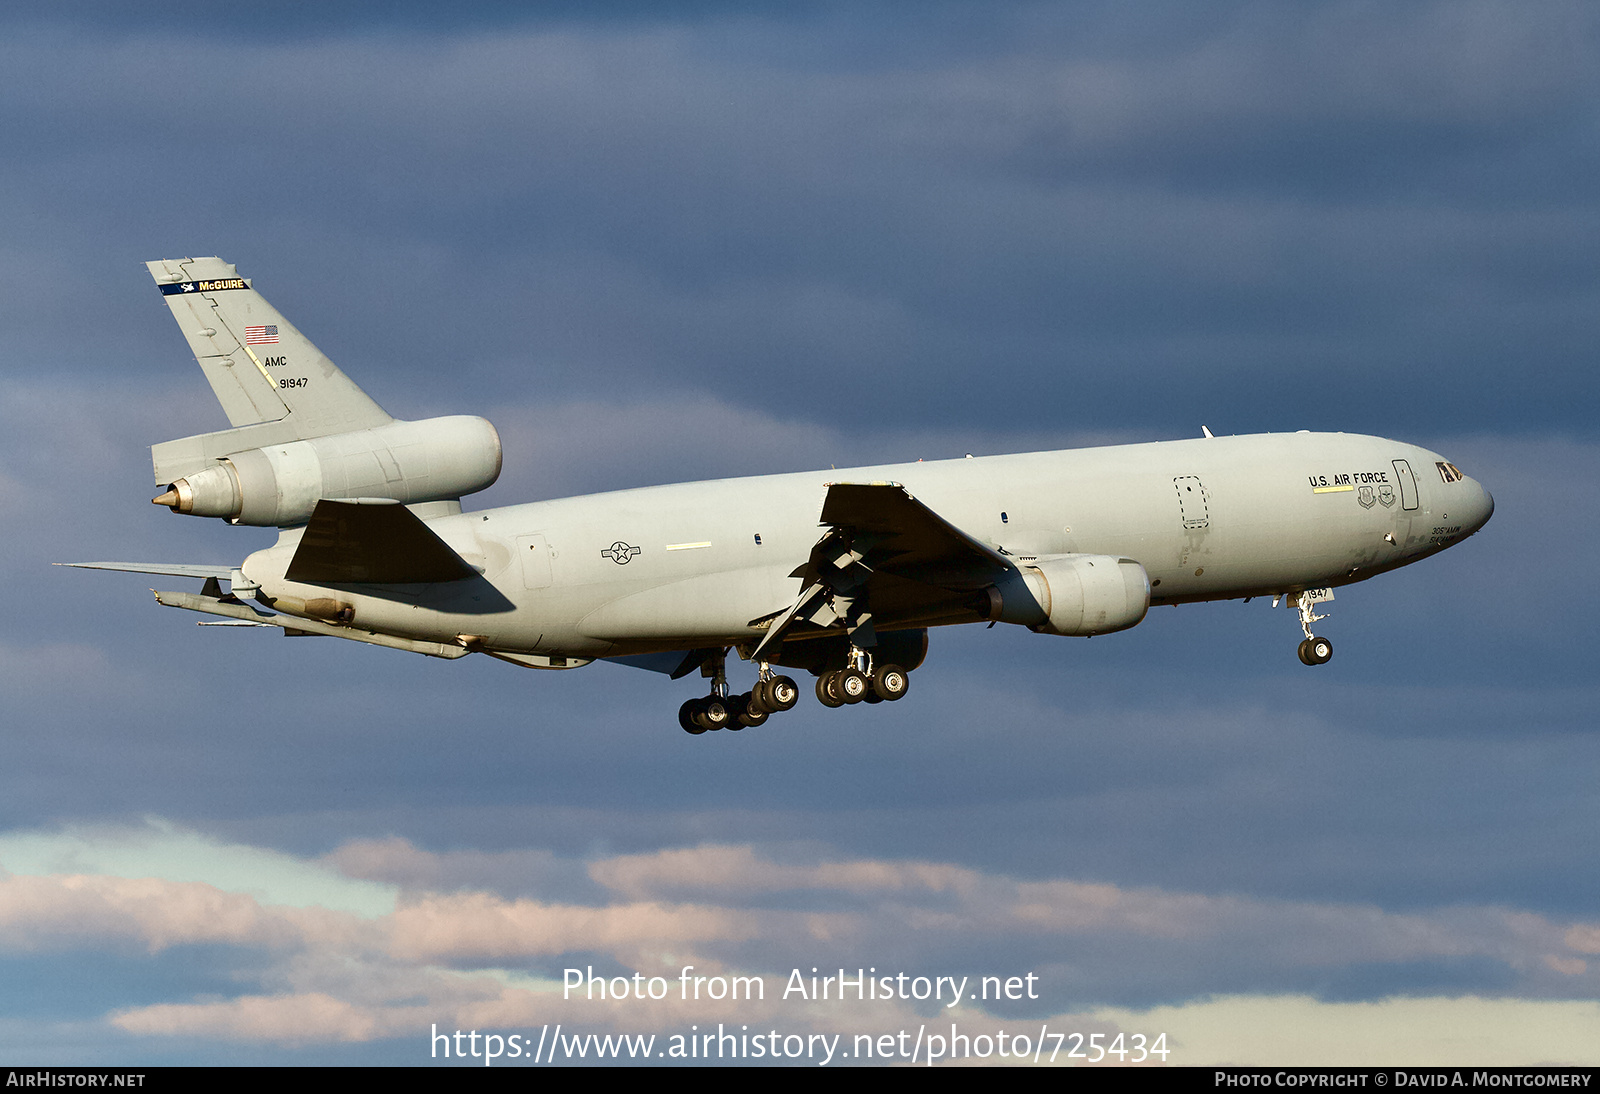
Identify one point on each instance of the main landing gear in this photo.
(719, 710)
(861, 682)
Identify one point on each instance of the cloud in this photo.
(159, 849)
(282, 1019)
(478, 959)
(46, 669)
(1055, 212)
(1269, 1031)
(480, 925)
(737, 871)
(59, 911)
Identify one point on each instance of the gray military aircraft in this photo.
(839, 573)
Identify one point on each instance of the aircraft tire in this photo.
(1319, 651)
(891, 682)
(686, 718)
(852, 686)
(712, 713)
(752, 714)
(1305, 657)
(782, 694)
(825, 692)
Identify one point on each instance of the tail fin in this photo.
(268, 376)
(260, 366)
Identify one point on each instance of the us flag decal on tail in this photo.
(261, 336)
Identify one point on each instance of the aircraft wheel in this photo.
(686, 715)
(1319, 651)
(826, 695)
(782, 694)
(1305, 658)
(852, 686)
(751, 714)
(712, 713)
(890, 682)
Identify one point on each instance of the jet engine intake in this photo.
(279, 485)
(1073, 595)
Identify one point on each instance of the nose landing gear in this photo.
(1314, 650)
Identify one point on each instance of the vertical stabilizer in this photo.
(261, 368)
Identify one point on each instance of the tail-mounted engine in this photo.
(280, 484)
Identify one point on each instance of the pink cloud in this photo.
(58, 910)
(483, 925)
(738, 870)
(287, 1019)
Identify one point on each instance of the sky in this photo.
(668, 242)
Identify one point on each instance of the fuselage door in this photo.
(1408, 484)
(535, 554)
(1192, 503)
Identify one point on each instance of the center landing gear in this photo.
(719, 710)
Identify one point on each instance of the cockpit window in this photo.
(1448, 472)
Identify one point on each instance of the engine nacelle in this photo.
(1073, 595)
(279, 485)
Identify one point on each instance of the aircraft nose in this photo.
(1481, 507)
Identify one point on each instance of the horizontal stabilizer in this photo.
(372, 543)
(169, 569)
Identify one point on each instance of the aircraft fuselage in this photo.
(708, 563)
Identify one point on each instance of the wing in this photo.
(886, 562)
(896, 535)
